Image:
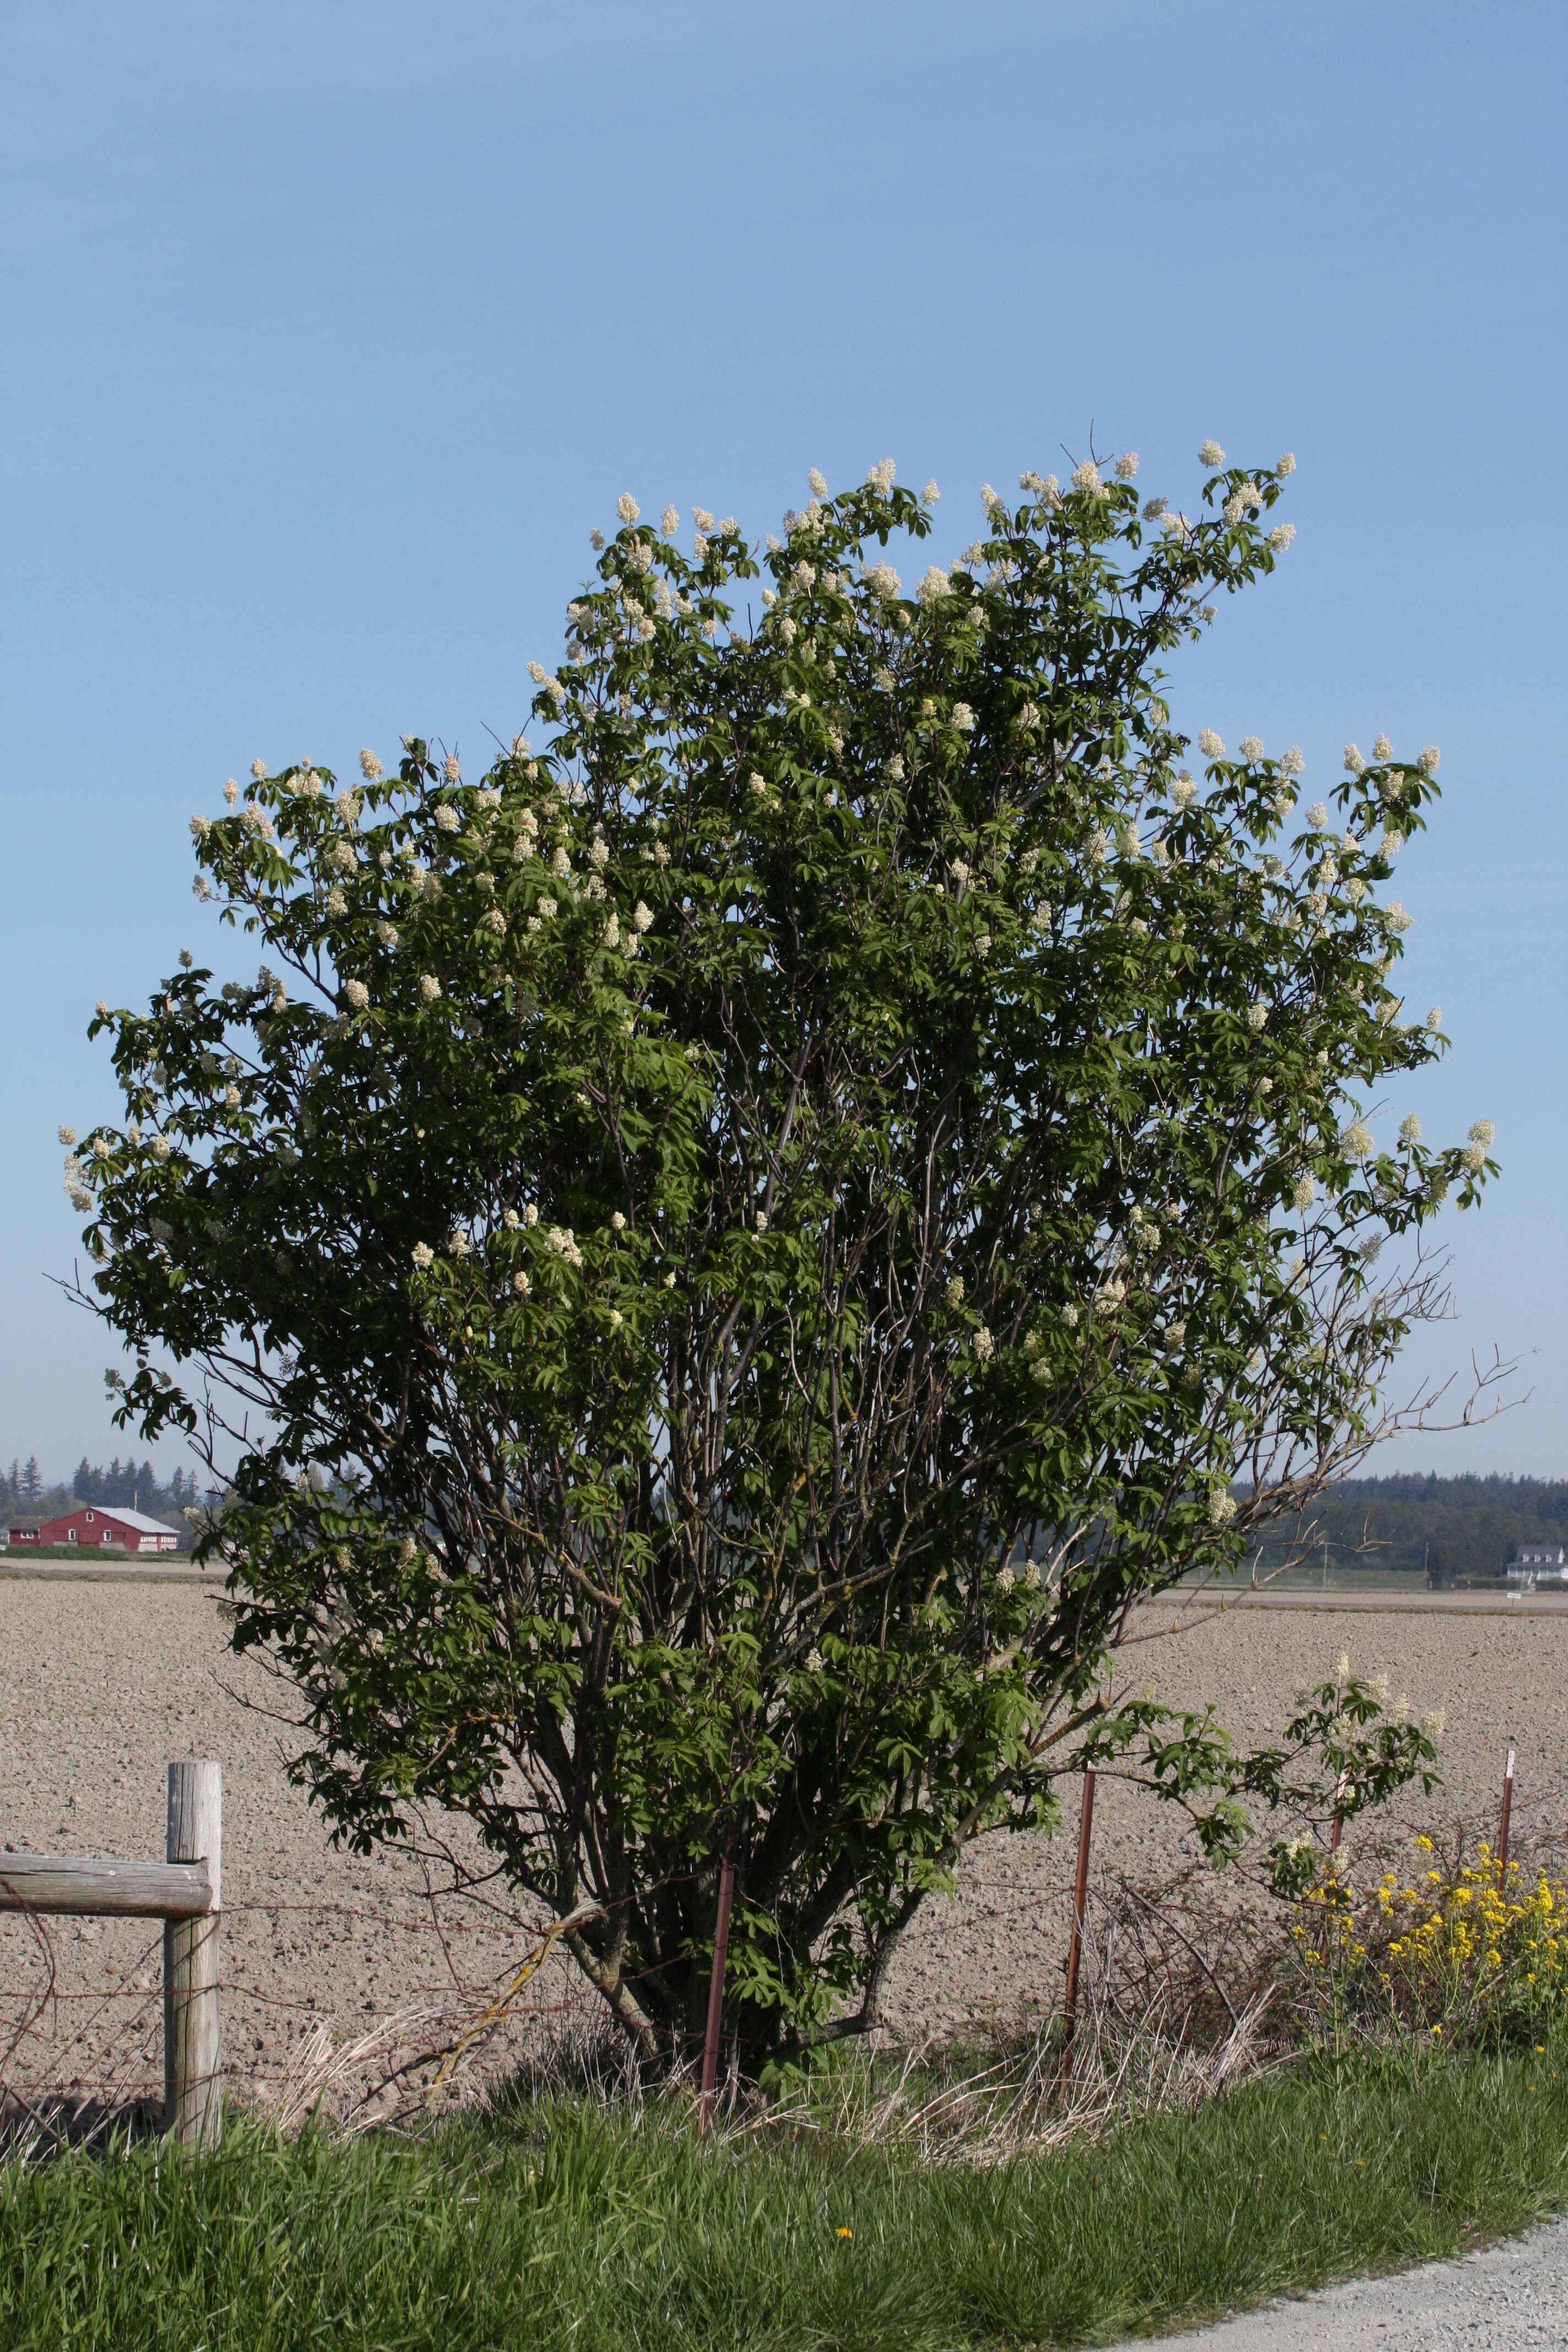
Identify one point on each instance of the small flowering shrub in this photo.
(1465, 1952)
(1474, 1948)
(725, 1256)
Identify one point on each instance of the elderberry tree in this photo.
(722, 1262)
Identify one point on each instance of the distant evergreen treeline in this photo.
(129, 1484)
(1453, 1527)
(1465, 1526)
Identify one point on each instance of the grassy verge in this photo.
(566, 2227)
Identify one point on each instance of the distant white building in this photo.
(1538, 1563)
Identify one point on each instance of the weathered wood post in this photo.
(193, 2082)
(1502, 1834)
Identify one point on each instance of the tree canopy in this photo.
(727, 1256)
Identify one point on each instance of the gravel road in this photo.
(1507, 2299)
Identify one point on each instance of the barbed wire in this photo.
(97, 2044)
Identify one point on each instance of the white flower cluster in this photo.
(1210, 744)
(560, 1239)
(882, 580)
(1483, 1134)
(356, 995)
(1211, 454)
(1222, 1506)
(880, 476)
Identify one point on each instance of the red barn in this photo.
(92, 1526)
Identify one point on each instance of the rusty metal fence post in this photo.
(716, 1983)
(1075, 1942)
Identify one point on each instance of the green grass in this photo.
(545, 2228)
(95, 1555)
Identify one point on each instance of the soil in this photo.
(338, 1970)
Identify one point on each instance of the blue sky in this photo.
(329, 331)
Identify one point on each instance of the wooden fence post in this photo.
(193, 2082)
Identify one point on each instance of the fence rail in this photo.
(109, 1890)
